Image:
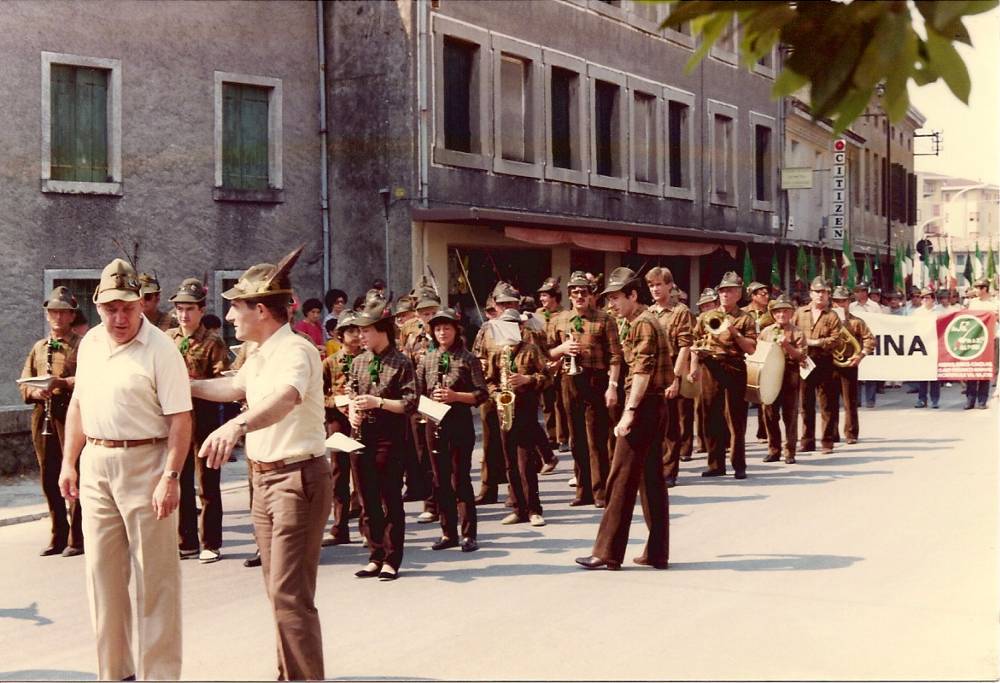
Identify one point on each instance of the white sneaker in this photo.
(537, 520)
(572, 482)
(208, 556)
(426, 517)
(512, 518)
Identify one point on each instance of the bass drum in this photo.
(765, 370)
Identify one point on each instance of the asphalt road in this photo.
(876, 562)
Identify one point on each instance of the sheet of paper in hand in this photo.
(343, 443)
(39, 382)
(804, 370)
(341, 401)
(432, 410)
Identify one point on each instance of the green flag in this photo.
(801, 265)
(747, 267)
(775, 272)
(898, 282)
(967, 273)
(991, 266)
(834, 270)
(977, 267)
(811, 272)
(868, 275)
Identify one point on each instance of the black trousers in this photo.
(637, 469)
(451, 458)
(209, 493)
(378, 471)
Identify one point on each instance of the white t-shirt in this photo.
(125, 392)
(978, 304)
(867, 307)
(285, 360)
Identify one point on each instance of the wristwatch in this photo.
(172, 474)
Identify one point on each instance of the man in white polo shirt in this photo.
(282, 382)
(130, 416)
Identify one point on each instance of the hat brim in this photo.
(186, 299)
(439, 319)
(610, 289)
(234, 293)
(109, 295)
(782, 307)
(506, 300)
(143, 291)
(57, 305)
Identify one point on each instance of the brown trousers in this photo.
(554, 412)
(494, 469)
(784, 409)
(451, 457)
(678, 437)
(820, 382)
(378, 471)
(637, 456)
(589, 427)
(522, 459)
(65, 516)
(290, 509)
(848, 380)
(724, 406)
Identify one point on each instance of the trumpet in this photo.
(570, 365)
(847, 347)
(505, 398)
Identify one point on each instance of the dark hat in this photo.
(730, 279)
(550, 285)
(754, 286)
(579, 279)
(148, 284)
(862, 284)
(819, 284)
(840, 292)
(510, 316)
(61, 299)
(944, 293)
(914, 291)
(265, 279)
(403, 305)
(926, 291)
(708, 295)
(618, 279)
(981, 282)
(347, 319)
(445, 315)
(118, 283)
(372, 312)
(504, 293)
(876, 290)
(894, 294)
(191, 291)
(781, 301)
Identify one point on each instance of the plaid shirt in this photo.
(204, 352)
(465, 373)
(647, 351)
(679, 324)
(527, 359)
(336, 369)
(602, 348)
(552, 319)
(63, 365)
(395, 381)
(729, 349)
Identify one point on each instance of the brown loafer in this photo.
(594, 562)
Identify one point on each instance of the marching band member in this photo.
(589, 339)
(419, 468)
(785, 407)
(759, 310)
(556, 427)
(708, 300)
(822, 328)
(678, 323)
(638, 449)
(494, 470)
(724, 377)
(848, 376)
(450, 374)
(385, 395)
(516, 373)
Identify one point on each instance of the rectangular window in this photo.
(722, 121)
(244, 136)
(248, 147)
(565, 91)
(567, 133)
(868, 183)
(607, 119)
(886, 187)
(81, 124)
(459, 60)
(517, 107)
(644, 131)
(762, 164)
(722, 159)
(513, 109)
(82, 282)
(678, 149)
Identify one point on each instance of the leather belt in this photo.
(127, 443)
(261, 467)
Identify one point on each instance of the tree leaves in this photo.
(842, 51)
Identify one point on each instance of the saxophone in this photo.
(505, 398)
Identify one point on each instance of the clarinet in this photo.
(47, 423)
(442, 381)
(357, 433)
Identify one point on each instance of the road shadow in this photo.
(46, 675)
(878, 439)
(29, 613)
(493, 571)
(771, 563)
(681, 499)
(797, 476)
(855, 459)
(239, 529)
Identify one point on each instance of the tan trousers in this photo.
(123, 534)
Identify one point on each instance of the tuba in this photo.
(505, 398)
(716, 322)
(847, 347)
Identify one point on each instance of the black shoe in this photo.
(671, 482)
(52, 550)
(805, 447)
(388, 574)
(740, 475)
(70, 551)
(444, 543)
(366, 573)
(594, 562)
(969, 406)
(564, 448)
(252, 561)
(129, 678)
(189, 554)
(713, 473)
(772, 457)
(469, 545)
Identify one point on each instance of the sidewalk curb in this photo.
(34, 516)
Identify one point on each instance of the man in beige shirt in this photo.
(130, 415)
(282, 383)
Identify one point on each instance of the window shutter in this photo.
(92, 125)
(231, 176)
(63, 114)
(253, 135)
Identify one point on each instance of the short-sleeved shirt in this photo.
(285, 360)
(647, 351)
(125, 392)
(728, 349)
(63, 365)
(866, 307)
(598, 335)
